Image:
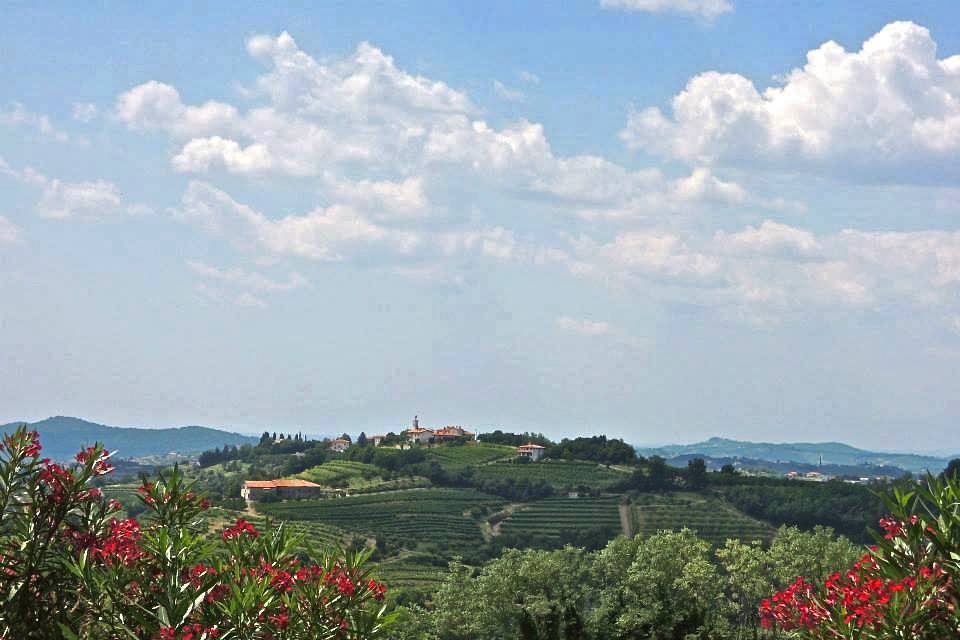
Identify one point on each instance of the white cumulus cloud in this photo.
(890, 104)
(335, 233)
(87, 200)
(200, 154)
(769, 238)
(364, 114)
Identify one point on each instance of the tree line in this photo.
(669, 585)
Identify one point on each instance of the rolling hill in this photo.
(833, 453)
(62, 437)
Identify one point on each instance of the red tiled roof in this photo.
(272, 484)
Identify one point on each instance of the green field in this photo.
(457, 457)
(120, 491)
(413, 570)
(358, 477)
(550, 517)
(312, 534)
(454, 458)
(436, 520)
(561, 474)
(714, 520)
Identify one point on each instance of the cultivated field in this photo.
(435, 520)
(358, 477)
(472, 454)
(712, 519)
(413, 571)
(562, 474)
(312, 534)
(553, 516)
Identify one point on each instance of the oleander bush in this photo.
(71, 566)
(905, 586)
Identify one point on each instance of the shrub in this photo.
(904, 587)
(70, 568)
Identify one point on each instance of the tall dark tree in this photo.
(362, 439)
(953, 469)
(696, 473)
(657, 472)
(265, 439)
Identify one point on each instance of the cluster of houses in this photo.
(415, 434)
(423, 435)
(296, 489)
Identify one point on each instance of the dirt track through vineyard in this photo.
(625, 520)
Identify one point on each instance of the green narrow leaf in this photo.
(67, 632)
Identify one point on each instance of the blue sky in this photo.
(657, 219)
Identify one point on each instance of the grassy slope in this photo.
(713, 519)
(439, 520)
(358, 477)
(468, 455)
(559, 473)
(551, 516)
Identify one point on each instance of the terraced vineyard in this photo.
(712, 519)
(416, 571)
(455, 458)
(358, 477)
(562, 474)
(551, 517)
(439, 520)
(315, 534)
(120, 491)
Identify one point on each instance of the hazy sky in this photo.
(658, 219)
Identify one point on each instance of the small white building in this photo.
(377, 440)
(533, 452)
(417, 434)
(423, 436)
(339, 445)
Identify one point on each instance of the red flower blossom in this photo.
(240, 528)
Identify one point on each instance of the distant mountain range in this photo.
(62, 437)
(807, 453)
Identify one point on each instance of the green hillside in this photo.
(713, 519)
(553, 517)
(359, 477)
(438, 520)
(312, 534)
(479, 453)
(561, 474)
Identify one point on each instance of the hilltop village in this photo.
(413, 436)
